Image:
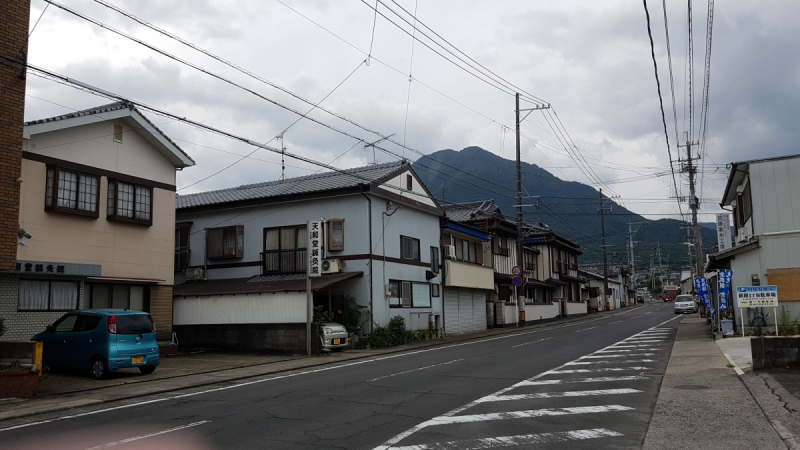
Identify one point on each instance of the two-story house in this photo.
(558, 270)
(468, 278)
(764, 197)
(241, 256)
(96, 218)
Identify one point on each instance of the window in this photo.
(43, 295)
(497, 246)
(336, 236)
(129, 202)
(122, 296)
(285, 249)
(182, 250)
(225, 242)
(409, 182)
(504, 292)
(529, 261)
(435, 290)
(71, 192)
(118, 132)
(435, 260)
(407, 294)
(409, 248)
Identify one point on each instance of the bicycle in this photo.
(759, 319)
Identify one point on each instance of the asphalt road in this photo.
(589, 384)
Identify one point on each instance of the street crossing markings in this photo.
(512, 441)
(616, 361)
(582, 380)
(615, 356)
(636, 346)
(527, 414)
(602, 369)
(538, 395)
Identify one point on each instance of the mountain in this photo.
(568, 207)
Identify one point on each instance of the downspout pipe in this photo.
(371, 284)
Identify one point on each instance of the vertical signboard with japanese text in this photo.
(724, 280)
(315, 248)
(723, 232)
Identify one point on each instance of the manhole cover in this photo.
(692, 387)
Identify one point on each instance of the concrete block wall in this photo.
(22, 325)
(14, 17)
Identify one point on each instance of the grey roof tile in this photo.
(292, 186)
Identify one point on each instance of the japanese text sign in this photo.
(756, 296)
(315, 247)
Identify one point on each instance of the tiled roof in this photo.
(326, 181)
(104, 109)
(465, 212)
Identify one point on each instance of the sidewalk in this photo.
(703, 403)
(190, 372)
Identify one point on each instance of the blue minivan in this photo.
(102, 340)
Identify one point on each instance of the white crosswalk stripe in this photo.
(618, 363)
(507, 397)
(511, 441)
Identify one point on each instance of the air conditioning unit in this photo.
(331, 265)
(743, 234)
(449, 251)
(194, 274)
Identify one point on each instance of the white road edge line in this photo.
(585, 329)
(144, 436)
(414, 370)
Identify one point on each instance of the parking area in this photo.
(65, 380)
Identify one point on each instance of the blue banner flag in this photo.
(702, 290)
(724, 288)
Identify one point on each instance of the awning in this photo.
(124, 280)
(573, 279)
(260, 284)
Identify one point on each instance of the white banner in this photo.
(315, 245)
(723, 232)
(756, 296)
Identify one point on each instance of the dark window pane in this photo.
(134, 324)
(67, 323)
(88, 322)
(67, 189)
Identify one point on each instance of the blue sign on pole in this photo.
(701, 284)
(517, 281)
(724, 288)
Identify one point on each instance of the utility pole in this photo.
(520, 234)
(694, 204)
(605, 257)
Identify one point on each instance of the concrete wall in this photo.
(285, 337)
(278, 307)
(460, 274)
(541, 311)
(775, 352)
(576, 308)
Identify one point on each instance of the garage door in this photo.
(465, 310)
(478, 310)
(451, 310)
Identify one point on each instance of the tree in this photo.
(654, 286)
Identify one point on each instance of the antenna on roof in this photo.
(283, 165)
(372, 144)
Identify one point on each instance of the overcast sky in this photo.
(589, 59)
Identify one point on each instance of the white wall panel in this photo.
(478, 310)
(282, 307)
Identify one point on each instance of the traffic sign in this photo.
(517, 281)
(517, 270)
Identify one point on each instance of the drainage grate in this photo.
(658, 374)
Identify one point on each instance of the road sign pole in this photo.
(776, 320)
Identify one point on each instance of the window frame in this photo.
(182, 229)
(416, 247)
(50, 295)
(238, 253)
(435, 261)
(52, 196)
(331, 247)
(89, 294)
(409, 182)
(526, 255)
(113, 202)
(401, 294)
(301, 253)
